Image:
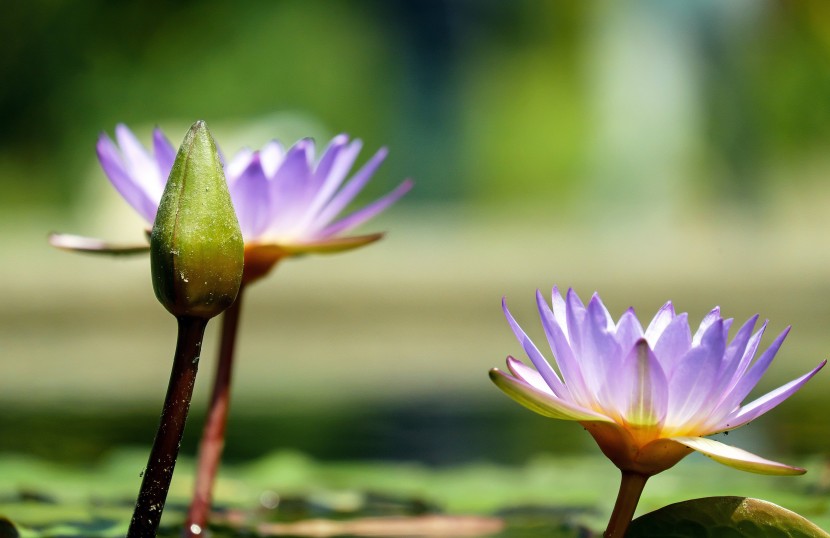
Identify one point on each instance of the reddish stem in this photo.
(631, 487)
(213, 435)
(159, 471)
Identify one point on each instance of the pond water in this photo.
(435, 431)
(512, 473)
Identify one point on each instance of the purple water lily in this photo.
(287, 202)
(648, 397)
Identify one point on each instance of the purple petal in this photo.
(133, 193)
(271, 156)
(674, 342)
(746, 383)
(362, 215)
(736, 457)
(238, 164)
(660, 322)
(601, 355)
(748, 355)
(562, 353)
(628, 330)
(542, 366)
(329, 178)
(138, 163)
(289, 187)
(559, 310)
(541, 402)
(575, 316)
(165, 154)
(695, 376)
(766, 402)
(333, 155)
(350, 190)
(251, 196)
(528, 375)
(708, 320)
(733, 357)
(641, 394)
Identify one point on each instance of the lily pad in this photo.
(7, 529)
(724, 517)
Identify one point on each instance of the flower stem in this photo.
(631, 487)
(159, 471)
(213, 435)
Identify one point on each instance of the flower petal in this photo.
(674, 342)
(138, 162)
(165, 154)
(330, 156)
(628, 330)
(748, 355)
(736, 457)
(325, 246)
(708, 320)
(733, 359)
(758, 407)
(542, 365)
(543, 403)
(559, 310)
(91, 245)
(289, 188)
(339, 202)
(694, 378)
(251, 195)
(659, 323)
(362, 215)
(272, 154)
(527, 374)
(562, 353)
(134, 193)
(575, 316)
(601, 356)
(746, 383)
(238, 164)
(642, 388)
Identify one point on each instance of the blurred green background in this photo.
(649, 151)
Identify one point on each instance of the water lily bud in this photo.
(196, 248)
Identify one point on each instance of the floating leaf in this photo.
(7, 529)
(724, 517)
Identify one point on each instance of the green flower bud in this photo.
(196, 247)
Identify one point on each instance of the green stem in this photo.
(631, 487)
(159, 471)
(213, 435)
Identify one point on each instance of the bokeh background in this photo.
(647, 150)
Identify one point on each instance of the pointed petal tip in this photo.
(494, 373)
(92, 245)
(405, 186)
(737, 458)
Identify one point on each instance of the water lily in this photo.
(649, 397)
(288, 202)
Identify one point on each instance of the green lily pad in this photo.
(7, 529)
(724, 517)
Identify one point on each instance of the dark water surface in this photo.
(435, 431)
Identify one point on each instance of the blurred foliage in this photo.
(479, 100)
